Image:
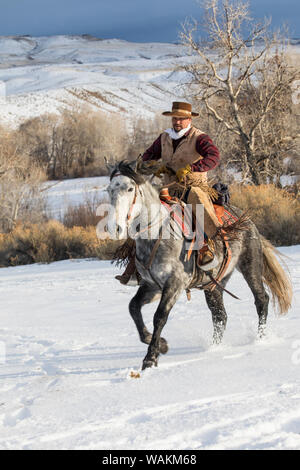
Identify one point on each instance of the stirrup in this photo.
(208, 249)
(210, 265)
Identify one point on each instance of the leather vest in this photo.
(184, 154)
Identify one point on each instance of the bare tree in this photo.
(241, 77)
(20, 181)
(144, 131)
(75, 142)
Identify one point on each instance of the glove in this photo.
(182, 172)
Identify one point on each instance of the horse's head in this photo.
(125, 198)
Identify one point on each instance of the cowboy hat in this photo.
(180, 109)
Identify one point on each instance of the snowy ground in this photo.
(67, 344)
(62, 194)
(70, 347)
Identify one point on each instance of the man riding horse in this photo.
(186, 155)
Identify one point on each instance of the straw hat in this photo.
(180, 110)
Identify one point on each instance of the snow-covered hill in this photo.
(44, 74)
(70, 347)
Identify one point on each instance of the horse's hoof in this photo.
(163, 346)
(147, 363)
(217, 340)
(261, 334)
(218, 333)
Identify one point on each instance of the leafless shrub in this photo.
(275, 211)
(75, 143)
(84, 214)
(143, 133)
(20, 183)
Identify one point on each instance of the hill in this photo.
(44, 74)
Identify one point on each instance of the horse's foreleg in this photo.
(169, 296)
(145, 295)
(215, 303)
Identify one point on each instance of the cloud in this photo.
(134, 20)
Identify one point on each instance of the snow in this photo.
(46, 74)
(73, 192)
(67, 342)
(70, 346)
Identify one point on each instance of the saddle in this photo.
(125, 255)
(225, 217)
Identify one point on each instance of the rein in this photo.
(129, 215)
(214, 282)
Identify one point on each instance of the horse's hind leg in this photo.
(145, 295)
(251, 266)
(215, 303)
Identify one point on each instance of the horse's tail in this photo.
(276, 278)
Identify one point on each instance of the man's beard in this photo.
(177, 134)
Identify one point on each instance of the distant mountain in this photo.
(295, 42)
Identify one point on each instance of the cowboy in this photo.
(186, 154)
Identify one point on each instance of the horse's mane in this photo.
(124, 168)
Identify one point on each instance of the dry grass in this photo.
(275, 212)
(293, 57)
(52, 241)
(82, 215)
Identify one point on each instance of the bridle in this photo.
(136, 191)
(149, 225)
(214, 281)
(128, 218)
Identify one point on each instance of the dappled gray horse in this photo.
(166, 271)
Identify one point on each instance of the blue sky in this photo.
(133, 20)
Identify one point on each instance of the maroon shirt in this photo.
(204, 146)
